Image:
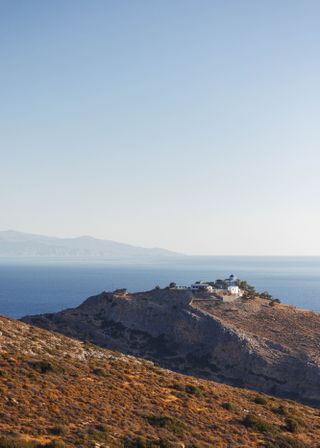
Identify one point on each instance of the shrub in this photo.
(12, 443)
(45, 367)
(190, 389)
(102, 428)
(293, 421)
(179, 387)
(58, 430)
(228, 406)
(281, 410)
(163, 443)
(194, 446)
(266, 295)
(139, 442)
(194, 390)
(260, 400)
(142, 442)
(274, 302)
(253, 422)
(170, 423)
(54, 444)
(97, 435)
(99, 371)
(286, 442)
(292, 425)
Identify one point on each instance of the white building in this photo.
(234, 290)
(232, 286)
(201, 286)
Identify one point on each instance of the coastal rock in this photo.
(244, 343)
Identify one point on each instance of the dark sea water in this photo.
(30, 288)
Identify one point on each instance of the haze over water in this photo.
(38, 288)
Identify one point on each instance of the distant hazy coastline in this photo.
(26, 246)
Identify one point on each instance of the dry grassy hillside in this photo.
(296, 329)
(56, 391)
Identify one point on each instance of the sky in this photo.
(188, 125)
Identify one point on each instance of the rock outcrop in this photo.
(176, 330)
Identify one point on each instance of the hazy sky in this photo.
(189, 125)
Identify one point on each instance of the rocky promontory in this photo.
(247, 343)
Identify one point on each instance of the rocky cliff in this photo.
(204, 337)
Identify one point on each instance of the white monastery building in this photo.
(232, 286)
(201, 286)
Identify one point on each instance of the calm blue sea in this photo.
(30, 288)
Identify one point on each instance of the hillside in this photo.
(23, 245)
(295, 329)
(57, 392)
(247, 343)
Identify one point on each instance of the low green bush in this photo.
(101, 427)
(194, 390)
(281, 410)
(228, 406)
(15, 443)
(293, 421)
(254, 422)
(170, 423)
(143, 442)
(12, 443)
(177, 386)
(99, 371)
(292, 425)
(54, 444)
(260, 400)
(58, 430)
(97, 435)
(44, 366)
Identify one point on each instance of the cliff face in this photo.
(197, 336)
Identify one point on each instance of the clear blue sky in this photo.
(190, 125)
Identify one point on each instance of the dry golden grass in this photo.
(53, 388)
(294, 328)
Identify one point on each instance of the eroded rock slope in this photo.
(203, 337)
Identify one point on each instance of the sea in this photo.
(32, 287)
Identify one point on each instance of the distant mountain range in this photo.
(23, 245)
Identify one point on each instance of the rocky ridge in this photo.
(200, 336)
